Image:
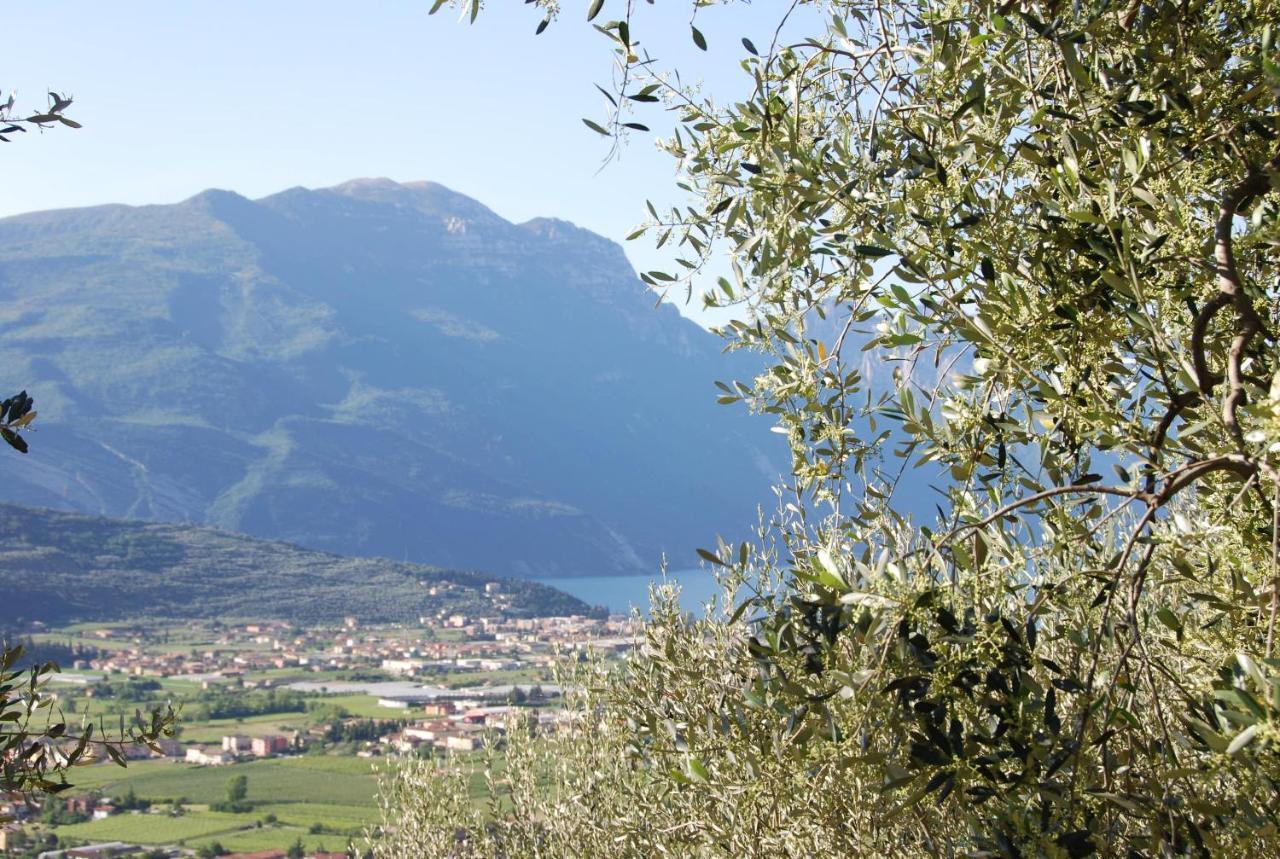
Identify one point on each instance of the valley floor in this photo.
(310, 719)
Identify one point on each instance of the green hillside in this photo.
(60, 568)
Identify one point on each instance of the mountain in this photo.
(377, 369)
(63, 567)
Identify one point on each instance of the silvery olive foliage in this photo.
(1027, 249)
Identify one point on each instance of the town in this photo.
(313, 716)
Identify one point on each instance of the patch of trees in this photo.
(239, 704)
(134, 689)
(237, 801)
(360, 730)
(61, 652)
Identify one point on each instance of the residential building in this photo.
(205, 756)
(269, 746)
(237, 744)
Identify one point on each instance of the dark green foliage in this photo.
(60, 653)
(55, 813)
(359, 730)
(132, 802)
(237, 801)
(220, 704)
(133, 689)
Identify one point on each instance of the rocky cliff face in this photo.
(376, 368)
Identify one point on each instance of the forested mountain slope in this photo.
(62, 567)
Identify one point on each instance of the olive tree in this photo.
(1056, 223)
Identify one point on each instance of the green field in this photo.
(306, 814)
(241, 832)
(314, 778)
(291, 797)
(276, 837)
(214, 730)
(337, 793)
(364, 706)
(156, 828)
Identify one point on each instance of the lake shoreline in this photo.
(622, 593)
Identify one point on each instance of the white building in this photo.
(403, 667)
(237, 744)
(209, 757)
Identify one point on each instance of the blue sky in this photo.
(255, 97)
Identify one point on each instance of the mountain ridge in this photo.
(374, 368)
(59, 568)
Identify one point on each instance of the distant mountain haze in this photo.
(376, 369)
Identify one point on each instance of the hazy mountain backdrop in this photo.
(377, 369)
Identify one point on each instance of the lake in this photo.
(621, 593)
